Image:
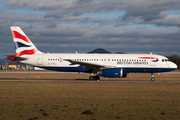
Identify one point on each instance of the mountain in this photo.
(100, 50)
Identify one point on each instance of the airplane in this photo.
(106, 65)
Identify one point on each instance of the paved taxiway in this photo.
(85, 80)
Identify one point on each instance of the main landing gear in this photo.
(92, 77)
(152, 77)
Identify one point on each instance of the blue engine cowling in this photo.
(112, 72)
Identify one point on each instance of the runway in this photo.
(77, 72)
(83, 80)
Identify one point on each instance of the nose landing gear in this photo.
(152, 77)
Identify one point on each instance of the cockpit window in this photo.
(165, 60)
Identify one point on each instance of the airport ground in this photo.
(88, 100)
(51, 75)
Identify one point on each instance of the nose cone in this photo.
(173, 65)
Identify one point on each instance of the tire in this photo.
(152, 79)
(91, 78)
(97, 78)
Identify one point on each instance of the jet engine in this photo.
(112, 72)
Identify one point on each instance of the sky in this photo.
(67, 26)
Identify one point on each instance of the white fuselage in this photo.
(129, 62)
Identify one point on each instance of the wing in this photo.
(88, 65)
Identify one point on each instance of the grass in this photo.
(67, 76)
(106, 100)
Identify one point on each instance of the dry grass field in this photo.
(66, 76)
(98, 100)
(38, 100)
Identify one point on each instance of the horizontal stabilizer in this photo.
(15, 58)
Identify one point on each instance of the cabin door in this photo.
(40, 60)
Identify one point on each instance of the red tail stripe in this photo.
(20, 36)
(26, 52)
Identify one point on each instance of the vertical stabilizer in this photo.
(23, 44)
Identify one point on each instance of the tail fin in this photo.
(23, 44)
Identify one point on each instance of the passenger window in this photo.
(162, 60)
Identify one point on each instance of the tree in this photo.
(175, 59)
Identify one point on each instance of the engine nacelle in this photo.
(112, 72)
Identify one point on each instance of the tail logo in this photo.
(23, 44)
(20, 36)
(19, 44)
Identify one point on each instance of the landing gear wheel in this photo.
(96, 77)
(91, 78)
(153, 79)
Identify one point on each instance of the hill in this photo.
(100, 50)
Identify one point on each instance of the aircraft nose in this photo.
(173, 65)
